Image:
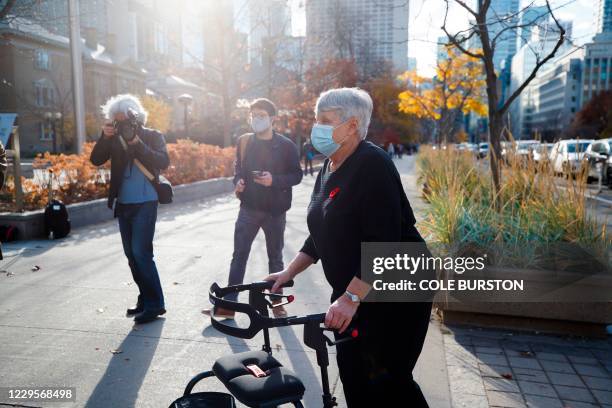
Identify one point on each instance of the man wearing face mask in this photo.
(267, 167)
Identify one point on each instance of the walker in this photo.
(256, 378)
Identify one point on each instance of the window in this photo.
(46, 132)
(44, 94)
(41, 59)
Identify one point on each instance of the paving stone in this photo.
(469, 401)
(579, 351)
(462, 361)
(582, 360)
(551, 356)
(488, 370)
(505, 399)
(603, 397)
(571, 380)
(500, 384)
(490, 350)
(576, 404)
(492, 359)
(592, 371)
(484, 342)
(464, 380)
(574, 393)
(520, 353)
(530, 375)
(536, 401)
(557, 367)
(516, 345)
(520, 362)
(598, 383)
(535, 388)
(604, 355)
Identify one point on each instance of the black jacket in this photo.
(285, 169)
(150, 151)
(3, 165)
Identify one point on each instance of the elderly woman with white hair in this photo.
(125, 142)
(358, 197)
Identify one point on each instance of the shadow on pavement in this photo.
(121, 382)
(237, 344)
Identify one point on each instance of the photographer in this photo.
(134, 197)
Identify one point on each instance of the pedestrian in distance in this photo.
(309, 154)
(126, 143)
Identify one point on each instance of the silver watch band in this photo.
(354, 298)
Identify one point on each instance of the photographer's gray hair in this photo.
(121, 104)
(350, 102)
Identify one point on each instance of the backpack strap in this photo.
(243, 143)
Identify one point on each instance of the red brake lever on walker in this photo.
(275, 296)
(352, 334)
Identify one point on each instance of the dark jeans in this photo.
(247, 226)
(137, 227)
(376, 368)
(308, 163)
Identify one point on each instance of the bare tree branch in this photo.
(539, 63)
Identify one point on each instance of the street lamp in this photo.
(186, 99)
(52, 119)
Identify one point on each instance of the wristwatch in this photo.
(354, 298)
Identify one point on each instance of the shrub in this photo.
(75, 179)
(540, 213)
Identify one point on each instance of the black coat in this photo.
(150, 151)
(285, 169)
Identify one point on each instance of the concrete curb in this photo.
(30, 224)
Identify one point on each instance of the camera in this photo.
(127, 128)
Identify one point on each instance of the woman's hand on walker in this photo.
(279, 279)
(340, 314)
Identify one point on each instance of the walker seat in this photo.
(279, 386)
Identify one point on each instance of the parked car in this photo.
(567, 156)
(541, 153)
(524, 149)
(483, 150)
(598, 157)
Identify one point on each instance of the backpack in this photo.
(57, 222)
(8, 233)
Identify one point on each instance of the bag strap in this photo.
(244, 142)
(137, 162)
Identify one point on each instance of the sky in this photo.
(426, 17)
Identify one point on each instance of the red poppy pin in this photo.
(333, 193)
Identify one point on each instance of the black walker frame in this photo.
(260, 302)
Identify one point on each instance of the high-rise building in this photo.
(268, 19)
(542, 42)
(556, 95)
(368, 31)
(604, 16)
(529, 18)
(501, 14)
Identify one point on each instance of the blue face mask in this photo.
(322, 139)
